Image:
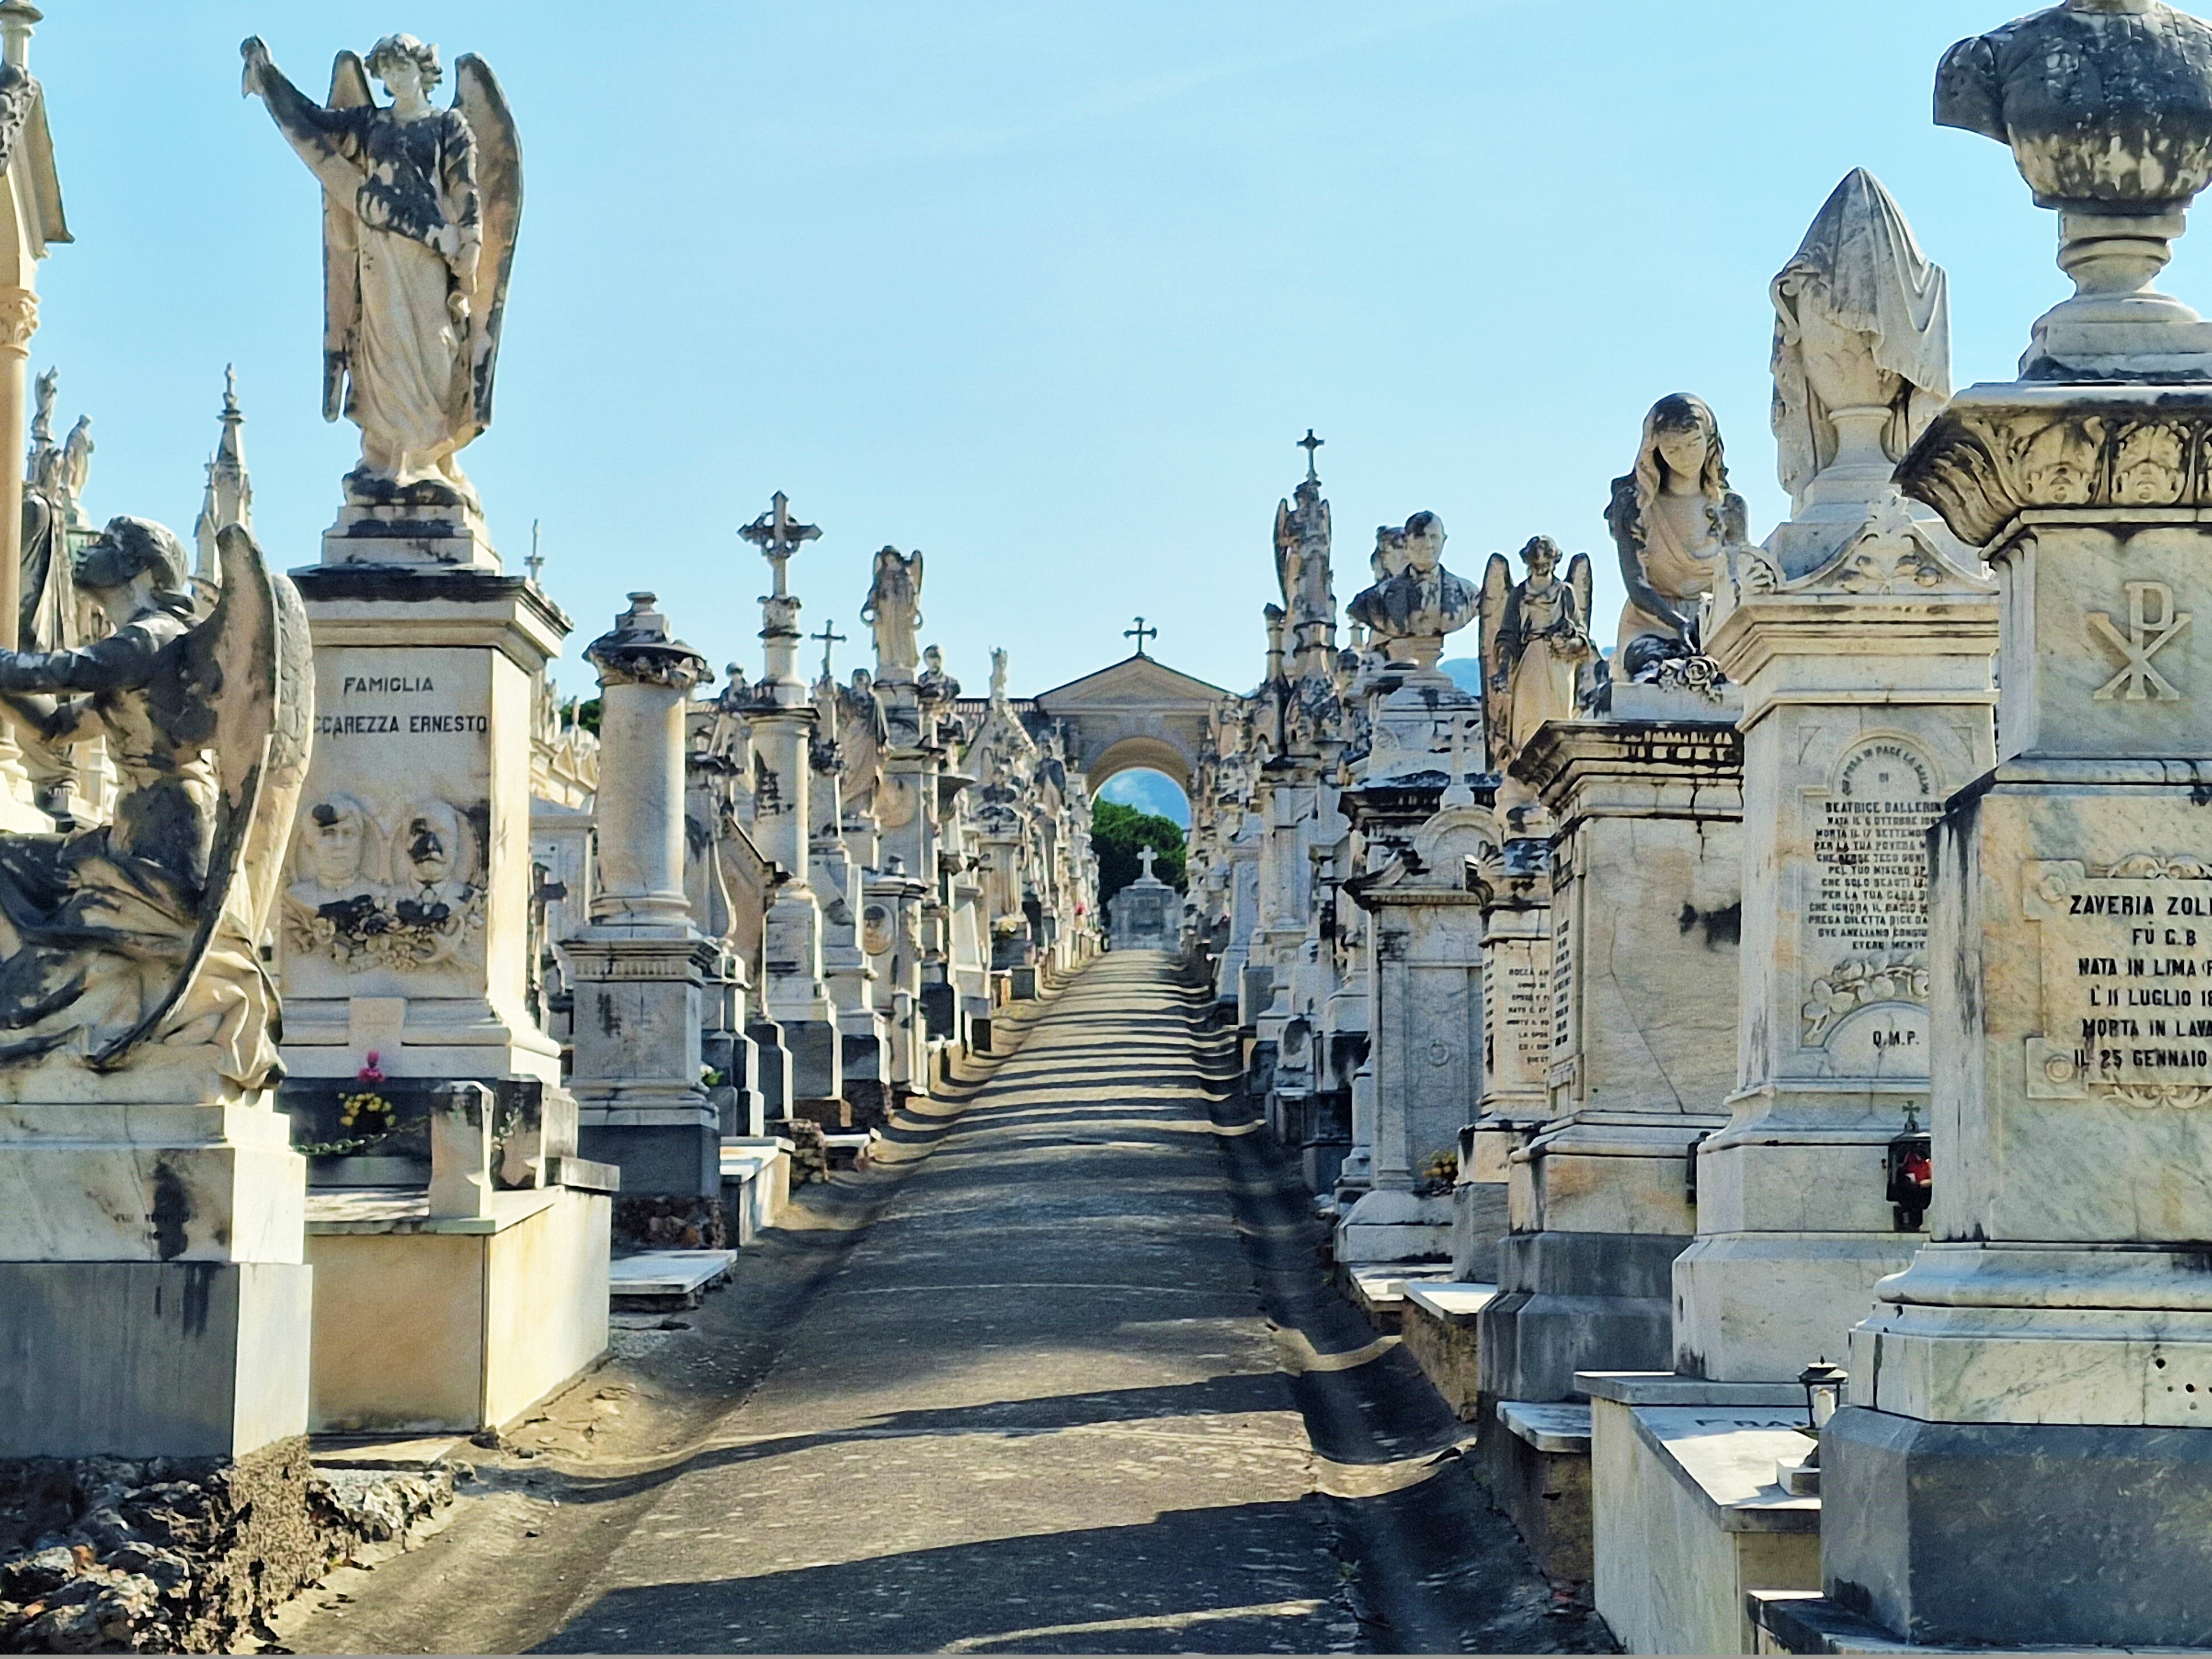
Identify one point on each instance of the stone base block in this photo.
(1577, 1302)
(663, 1160)
(1541, 1477)
(447, 1326)
(2019, 1534)
(1441, 1331)
(152, 1359)
(1685, 1517)
(1750, 1306)
(817, 1054)
(755, 1185)
(1478, 1222)
(1395, 1226)
(870, 1099)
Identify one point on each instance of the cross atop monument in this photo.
(1310, 444)
(1145, 857)
(1140, 634)
(778, 536)
(536, 561)
(831, 639)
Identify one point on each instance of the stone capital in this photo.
(1999, 451)
(18, 321)
(638, 651)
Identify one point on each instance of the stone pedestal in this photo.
(1426, 1045)
(153, 1300)
(1867, 693)
(1513, 889)
(1645, 916)
(406, 919)
(2036, 1382)
(641, 968)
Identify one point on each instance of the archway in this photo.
(1139, 712)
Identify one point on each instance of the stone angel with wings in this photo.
(133, 948)
(1535, 639)
(420, 209)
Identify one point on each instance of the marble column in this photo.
(783, 721)
(640, 968)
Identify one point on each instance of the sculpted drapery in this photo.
(420, 210)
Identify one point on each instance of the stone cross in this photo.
(778, 536)
(1140, 634)
(1145, 857)
(1310, 444)
(831, 639)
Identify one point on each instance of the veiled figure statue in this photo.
(137, 942)
(1674, 521)
(1535, 639)
(420, 208)
(1861, 347)
(893, 613)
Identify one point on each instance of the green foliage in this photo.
(1116, 833)
(587, 715)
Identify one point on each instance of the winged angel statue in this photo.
(1535, 639)
(420, 208)
(136, 943)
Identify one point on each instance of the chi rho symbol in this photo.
(2152, 625)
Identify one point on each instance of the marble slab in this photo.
(667, 1273)
(1548, 1427)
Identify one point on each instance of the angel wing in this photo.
(1497, 593)
(340, 248)
(478, 96)
(250, 688)
(1579, 578)
(1285, 541)
(913, 568)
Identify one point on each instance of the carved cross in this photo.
(778, 536)
(1309, 443)
(1140, 634)
(831, 639)
(1145, 857)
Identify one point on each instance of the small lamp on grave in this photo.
(1823, 1391)
(1909, 1175)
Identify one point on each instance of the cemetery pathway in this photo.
(1067, 1380)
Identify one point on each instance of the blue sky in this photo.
(1047, 290)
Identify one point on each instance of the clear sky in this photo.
(1047, 290)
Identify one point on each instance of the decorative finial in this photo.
(831, 639)
(536, 561)
(1140, 634)
(1310, 444)
(229, 390)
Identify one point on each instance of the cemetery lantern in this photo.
(1909, 1175)
(1823, 1391)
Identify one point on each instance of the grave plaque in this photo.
(2127, 980)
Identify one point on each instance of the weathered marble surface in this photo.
(1674, 521)
(418, 242)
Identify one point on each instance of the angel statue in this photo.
(1674, 521)
(893, 611)
(420, 208)
(1535, 638)
(1861, 347)
(138, 940)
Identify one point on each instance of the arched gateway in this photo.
(1138, 713)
